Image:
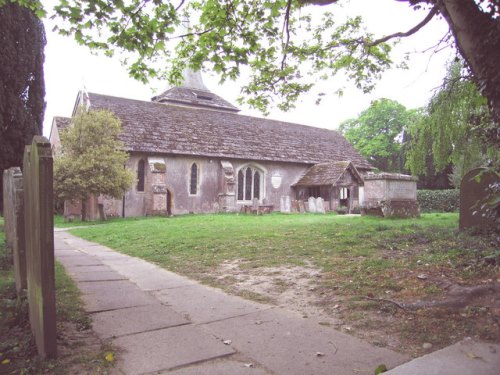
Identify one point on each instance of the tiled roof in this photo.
(194, 97)
(153, 127)
(327, 173)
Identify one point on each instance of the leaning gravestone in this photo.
(474, 188)
(39, 227)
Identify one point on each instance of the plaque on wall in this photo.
(276, 181)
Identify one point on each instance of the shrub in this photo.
(438, 200)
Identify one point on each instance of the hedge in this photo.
(438, 200)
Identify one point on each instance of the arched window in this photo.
(249, 184)
(140, 175)
(193, 182)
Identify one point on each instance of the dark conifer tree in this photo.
(22, 89)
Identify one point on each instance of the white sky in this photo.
(69, 66)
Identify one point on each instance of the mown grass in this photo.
(357, 252)
(17, 349)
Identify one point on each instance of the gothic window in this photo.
(249, 184)
(193, 182)
(241, 182)
(256, 185)
(140, 175)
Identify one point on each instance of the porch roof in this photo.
(328, 173)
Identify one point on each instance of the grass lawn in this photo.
(79, 351)
(358, 257)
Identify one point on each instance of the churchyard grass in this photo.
(364, 250)
(365, 264)
(79, 350)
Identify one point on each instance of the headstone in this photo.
(39, 227)
(295, 206)
(475, 186)
(320, 207)
(285, 204)
(14, 221)
(311, 204)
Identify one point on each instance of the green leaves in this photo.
(454, 128)
(378, 134)
(91, 161)
(284, 46)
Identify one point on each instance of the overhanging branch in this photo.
(412, 31)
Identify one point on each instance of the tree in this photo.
(22, 88)
(285, 47)
(378, 134)
(452, 129)
(91, 160)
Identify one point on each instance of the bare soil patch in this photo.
(399, 321)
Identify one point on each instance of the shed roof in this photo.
(327, 174)
(153, 127)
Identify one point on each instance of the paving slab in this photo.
(167, 349)
(85, 269)
(148, 276)
(131, 320)
(223, 366)
(79, 260)
(286, 344)
(205, 304)
(108, 295)
(467, 357)
(98, 276)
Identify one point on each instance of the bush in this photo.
(438, 200)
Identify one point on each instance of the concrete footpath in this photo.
(163, 323)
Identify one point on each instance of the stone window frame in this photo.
(141, 177)
(190, 180)
(253, 168)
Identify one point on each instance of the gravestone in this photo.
(285, 204)
(14, 220)
(473, 188)
(311, 204)
(39, 228)
(295, 206)
(320, 207)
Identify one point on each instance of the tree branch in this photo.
(286, 27)
(412, 31)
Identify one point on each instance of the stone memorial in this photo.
(311, 204)
(320, 207)
(475, 186)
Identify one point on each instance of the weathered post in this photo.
(39, 227)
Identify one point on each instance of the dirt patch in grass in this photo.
(402, 318)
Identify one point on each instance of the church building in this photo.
(191, 152)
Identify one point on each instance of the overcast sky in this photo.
(68, 67)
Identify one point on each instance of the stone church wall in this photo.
(276, 183)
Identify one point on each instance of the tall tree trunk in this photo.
(477, 36)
